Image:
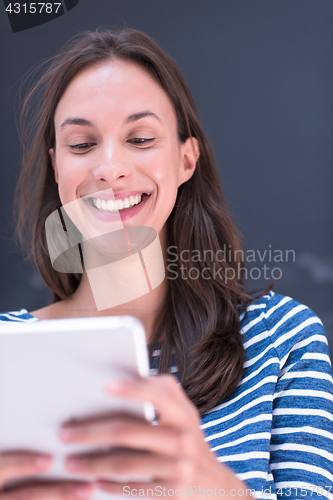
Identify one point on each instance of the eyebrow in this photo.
(76, 121)
(138, 116)
(82, 122)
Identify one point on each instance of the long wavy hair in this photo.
(200, 325)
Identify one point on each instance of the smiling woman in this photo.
(114, 116)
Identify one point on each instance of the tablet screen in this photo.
(54, 371)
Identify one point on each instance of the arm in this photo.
(302, 429)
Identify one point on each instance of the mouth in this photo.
(108, 210)
(117, 205)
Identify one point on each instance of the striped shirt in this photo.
(276, 430)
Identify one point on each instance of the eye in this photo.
(138, 141)
(82, 146)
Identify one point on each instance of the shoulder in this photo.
(283, 323)
(20, 316)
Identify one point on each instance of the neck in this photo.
(147, 308)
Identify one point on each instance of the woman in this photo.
(116, 113)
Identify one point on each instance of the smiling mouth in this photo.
(117, 205)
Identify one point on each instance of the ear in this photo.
(189, 156)
(54, 163)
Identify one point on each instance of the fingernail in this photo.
(72, 464)
(42, 462)
(100, 485)
(66, 434)
(83, 491)
(115, 386)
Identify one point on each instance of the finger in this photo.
(124, 432)
(78, 491)
(150, 489)
(13, 465)
(164, 392)
(125, 463)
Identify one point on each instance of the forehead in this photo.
(117, 87)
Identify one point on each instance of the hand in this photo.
(16, 465)
(173, 453)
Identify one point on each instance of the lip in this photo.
(124, 214)
(116, 196)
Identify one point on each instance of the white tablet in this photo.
(53, 371)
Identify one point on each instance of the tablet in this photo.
(54, 371)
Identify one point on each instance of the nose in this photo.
(111, 165)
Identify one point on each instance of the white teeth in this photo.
(114, 206)
(110, 205)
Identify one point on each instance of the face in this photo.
(116, 128)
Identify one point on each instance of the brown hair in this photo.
(200, 325)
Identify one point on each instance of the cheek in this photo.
(163, 168)
(69, 178)
(167, 189)
(166, 179)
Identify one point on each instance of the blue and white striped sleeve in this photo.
(301, 449)
(20, 316)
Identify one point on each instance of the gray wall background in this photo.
(261, 72)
